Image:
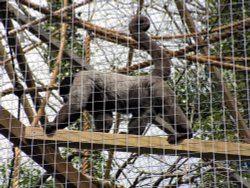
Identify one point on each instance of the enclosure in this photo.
(206, 44)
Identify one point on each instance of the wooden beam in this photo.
(142, 144)
(121, 142)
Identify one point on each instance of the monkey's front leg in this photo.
(70, 111)
(172, 113)
(67, 114)
(177, 119)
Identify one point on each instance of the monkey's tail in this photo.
(162, 62)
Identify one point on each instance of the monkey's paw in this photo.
(49, 129)
(175, 139)
(122, 132)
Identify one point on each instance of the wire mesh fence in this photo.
(124, 93)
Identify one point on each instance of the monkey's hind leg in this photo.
(103, 121)
(139, 122)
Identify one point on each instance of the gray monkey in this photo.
(143, 96)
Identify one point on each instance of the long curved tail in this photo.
(162, 62)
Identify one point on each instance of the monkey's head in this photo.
(64, 87)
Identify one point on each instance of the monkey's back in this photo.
(118, 91)
(114, 82)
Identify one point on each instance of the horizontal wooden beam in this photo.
(142, 144)
(12, 129)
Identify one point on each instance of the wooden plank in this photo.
(142, 144)
(120, 142)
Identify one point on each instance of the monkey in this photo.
(144, 96)
(103, 120)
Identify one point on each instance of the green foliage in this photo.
(74, 42)
(215, 127)
(199, 93)
(30, 173)
(95, 158)
(4, 175)
(213, 179)
(237, 44)
(201, 99)
(97, 163)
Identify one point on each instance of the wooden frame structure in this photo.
(43, 149)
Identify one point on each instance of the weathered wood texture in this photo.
(142, 144)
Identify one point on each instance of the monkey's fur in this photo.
(143, 96)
